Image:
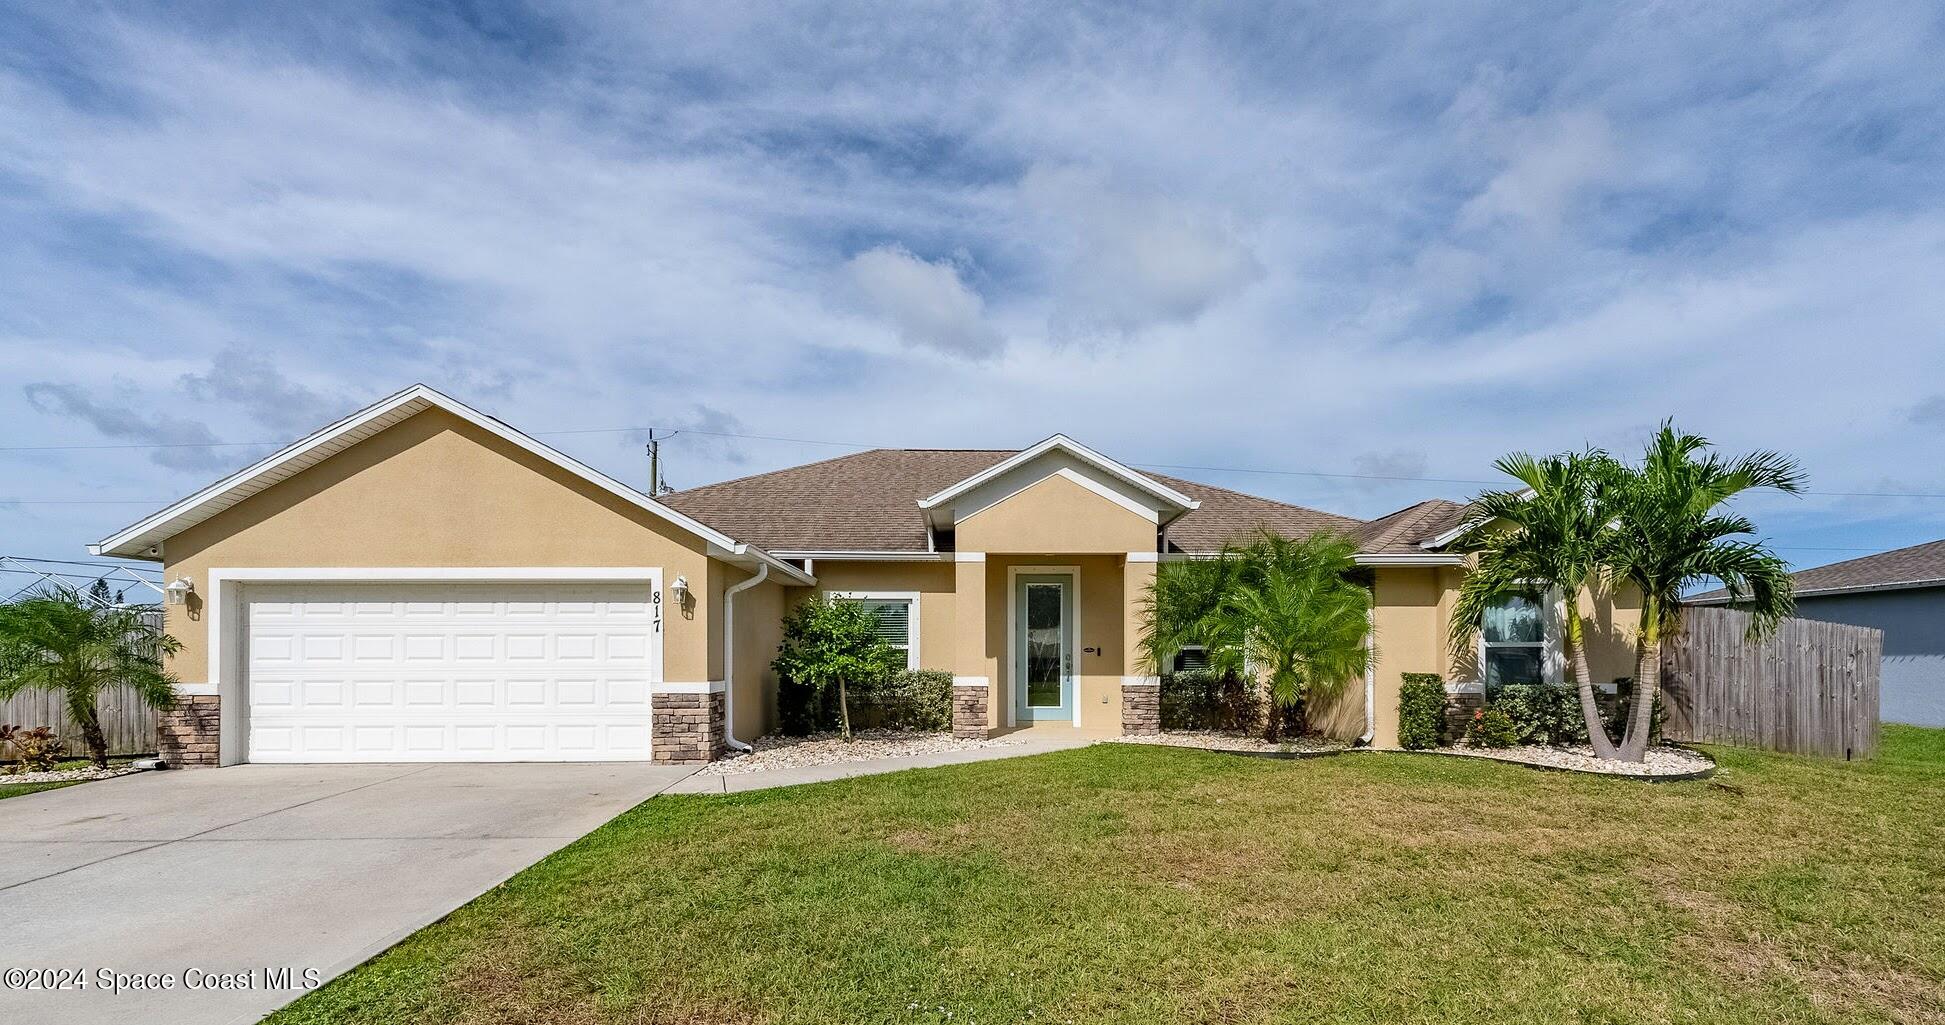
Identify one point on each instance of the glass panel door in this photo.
(1043, 614)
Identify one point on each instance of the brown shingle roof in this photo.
(1227, 516)
(866, 502)
(869, 502)
(1403, 532)
(1917, 566)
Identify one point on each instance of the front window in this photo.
(1190, 658)
(894, 616)
(1515, 640)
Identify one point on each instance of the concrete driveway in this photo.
(261, 869)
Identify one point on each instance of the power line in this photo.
(1402, 478)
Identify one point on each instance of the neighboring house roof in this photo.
(1917, 566)
(869, 502)
(135, 540)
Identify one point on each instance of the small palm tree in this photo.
(1179, 610)
(1670, 533)
(1284, 607)
(1549, 534)
(61, 642)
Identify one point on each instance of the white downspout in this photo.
(729, 655)
(1370, 677)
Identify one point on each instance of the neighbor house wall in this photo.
(437, 491)
(1912, 685)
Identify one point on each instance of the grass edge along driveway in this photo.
(1132, 884)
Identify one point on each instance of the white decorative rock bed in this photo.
(1213, 740)
(67, 775)
(831, 749)
(1662, 762)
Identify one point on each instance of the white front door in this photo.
(397, 672)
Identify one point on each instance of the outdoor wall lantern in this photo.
(681, 592)
(178, 590)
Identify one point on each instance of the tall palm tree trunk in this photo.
(1584, 684)
(1647, 681)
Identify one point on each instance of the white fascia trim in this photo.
(972, 681)
(137, 534)
(1439, 559)
(968, 556)
(912, 620)
(1368, 559)
(691, 687)
(1144, 556)
(866, 556)
(1078, 451)
(1141, 681)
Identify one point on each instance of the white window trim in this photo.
(911, 637)
(222, 609)
(1553, 662)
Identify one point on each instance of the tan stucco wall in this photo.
(1055, 516)
(435, 490)
(934, 583)
(1412, 620)
(759, 629)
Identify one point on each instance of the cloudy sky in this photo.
(1317, 249)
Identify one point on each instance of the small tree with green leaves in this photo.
(63, 643)
(830, 643)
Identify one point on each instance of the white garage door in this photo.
(387, 672)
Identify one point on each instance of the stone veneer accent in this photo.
(186, 735)
(969, 712)
(688, 728)
(1141, 708)
(1458, 711)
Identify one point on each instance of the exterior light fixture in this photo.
(681, 589)
(178, 590)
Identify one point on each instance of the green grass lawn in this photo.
(1144, 885)
(23, 789)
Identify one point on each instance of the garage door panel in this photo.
(429, 672)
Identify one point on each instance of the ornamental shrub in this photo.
(35, 750)
(915, 699)
(1421, 711)
(1541, 713)
(1491, 728)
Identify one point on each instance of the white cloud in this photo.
(1134, 260)
(928, 302)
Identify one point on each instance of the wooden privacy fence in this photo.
(1809, 688)
(128, 724)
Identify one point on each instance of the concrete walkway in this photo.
(234, 875)
(1021, 743)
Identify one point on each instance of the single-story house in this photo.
(1901, 592)
(422, 582)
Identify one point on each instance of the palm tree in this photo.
(1549, 534)
(60, 642)
(1670, 533)
(1284, 607)
(1179, 610)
